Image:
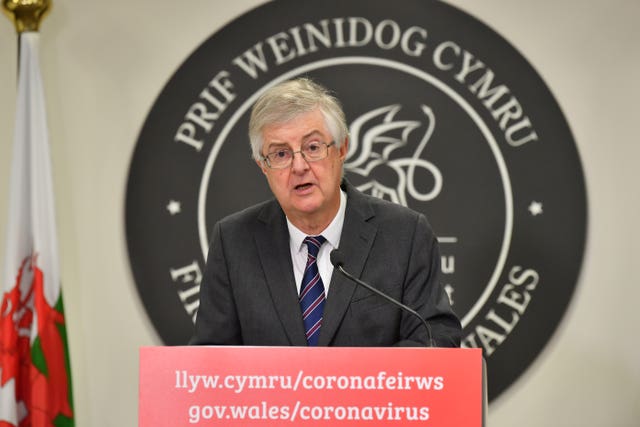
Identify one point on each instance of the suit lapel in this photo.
(355, 244)
(272, 241)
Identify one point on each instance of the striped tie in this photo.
(312, 291)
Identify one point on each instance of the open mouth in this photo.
(303, 186)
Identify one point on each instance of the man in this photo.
(269, 278)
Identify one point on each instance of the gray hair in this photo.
(286, 101)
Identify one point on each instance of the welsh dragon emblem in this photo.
(382, 159)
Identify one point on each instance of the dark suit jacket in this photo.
(248, 295)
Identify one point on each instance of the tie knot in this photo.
(313, 244)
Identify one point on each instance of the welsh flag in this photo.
(35, 380)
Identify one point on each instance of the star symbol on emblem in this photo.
(174, 207)
(535, 208)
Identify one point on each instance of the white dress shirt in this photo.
(299, 249)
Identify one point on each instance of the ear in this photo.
(344, 149)
(262, 166)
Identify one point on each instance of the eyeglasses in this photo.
(311, 151)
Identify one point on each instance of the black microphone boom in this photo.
(336, 260)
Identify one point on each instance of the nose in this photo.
(298, 163)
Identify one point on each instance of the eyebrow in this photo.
(277, 146)
(305, 138)
(311, 134)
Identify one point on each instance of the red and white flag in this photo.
(35, 379)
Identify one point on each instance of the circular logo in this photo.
(445, 117)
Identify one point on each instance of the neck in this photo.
(313, 224)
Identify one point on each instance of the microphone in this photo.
(337, 260)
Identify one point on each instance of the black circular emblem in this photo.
(445, 117)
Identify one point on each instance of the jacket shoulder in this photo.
(249, 216)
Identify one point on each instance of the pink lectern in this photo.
(321, 386)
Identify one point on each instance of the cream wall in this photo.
(104, 63)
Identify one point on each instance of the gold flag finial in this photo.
(26, 14)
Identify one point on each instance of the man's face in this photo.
(308, 192)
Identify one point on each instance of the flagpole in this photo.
(26, 15)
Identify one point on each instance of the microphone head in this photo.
(336, 258)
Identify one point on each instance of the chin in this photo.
(307, 207)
